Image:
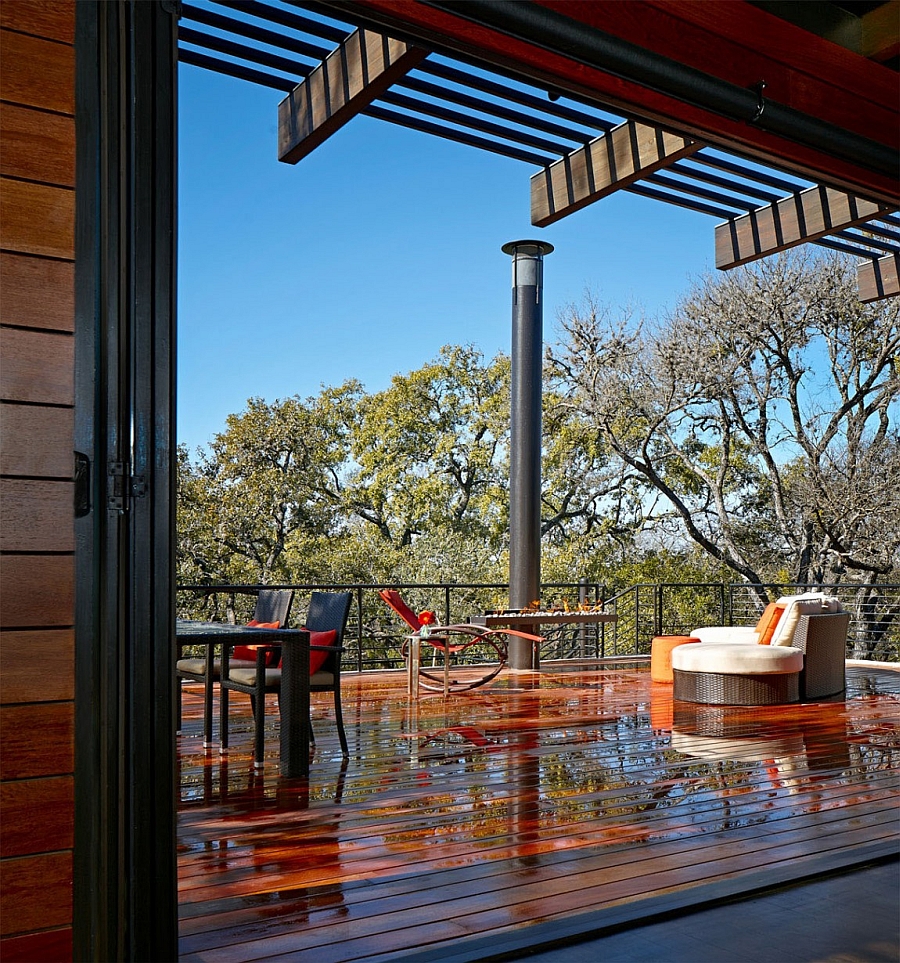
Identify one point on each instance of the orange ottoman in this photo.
(661, 655)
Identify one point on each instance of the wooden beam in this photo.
(801, 217)
(881, 32)
(607, 164)
(879, 279)
(347, 81)
(731, 41)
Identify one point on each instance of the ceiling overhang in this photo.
(686, 66)
(762, 211)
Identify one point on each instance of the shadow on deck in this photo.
(546, 807)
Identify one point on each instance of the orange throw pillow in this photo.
(768, 627)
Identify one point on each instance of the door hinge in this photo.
(123, 486)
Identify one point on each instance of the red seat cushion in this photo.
(317, 658)
(248, 652)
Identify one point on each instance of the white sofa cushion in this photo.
(716, 748)
(726, 633)
(737, 659)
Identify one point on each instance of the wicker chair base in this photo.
(719, 688)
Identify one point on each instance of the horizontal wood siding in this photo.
(51, 649)
(37, 323)
(36, 813)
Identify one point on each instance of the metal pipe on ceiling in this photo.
(553, 31)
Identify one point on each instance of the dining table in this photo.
(293, 699)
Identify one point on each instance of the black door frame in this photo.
(125, 897)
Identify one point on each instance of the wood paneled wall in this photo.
(37, 319)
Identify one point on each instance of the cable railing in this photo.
(375, 636)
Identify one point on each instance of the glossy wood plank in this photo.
(37, 740)
(37, 146)
(20, 425)
(36, 893)
(473, 816)
(53, 650)
(38, 367)
(44, 74)
(36, 815)
(879, 279)
(52, 19)
(37, 292)
(37, 219)
(36, 516)
(37, 591)
(607, 164)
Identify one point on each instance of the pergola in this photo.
(785, 132)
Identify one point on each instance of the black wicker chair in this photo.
(272, 605)
(328, 611)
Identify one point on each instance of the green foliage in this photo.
(751, 435)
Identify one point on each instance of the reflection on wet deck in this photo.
(540, 802)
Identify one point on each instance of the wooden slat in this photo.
(37, 219)
(607, 164)
(879, 279)
(36, 893)
(790, 221)
(36, 516)
(37, 292)
(19, 455)
(38, 740)
(38, 367)
(53, 19)
(37, 146)
(37, 590)
(36, 816)
(51, 649)
(348, 80)
(44, 74)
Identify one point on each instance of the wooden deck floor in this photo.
(544, 806)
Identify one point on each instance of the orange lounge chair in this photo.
(439, 639)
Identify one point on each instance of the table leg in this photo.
(294, 707)
(412, 671)
(208, 684)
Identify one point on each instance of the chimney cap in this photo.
(528, 248)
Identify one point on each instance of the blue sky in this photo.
(370, 254)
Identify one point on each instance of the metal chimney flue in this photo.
(525, 436)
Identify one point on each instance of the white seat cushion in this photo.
(737, 659)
